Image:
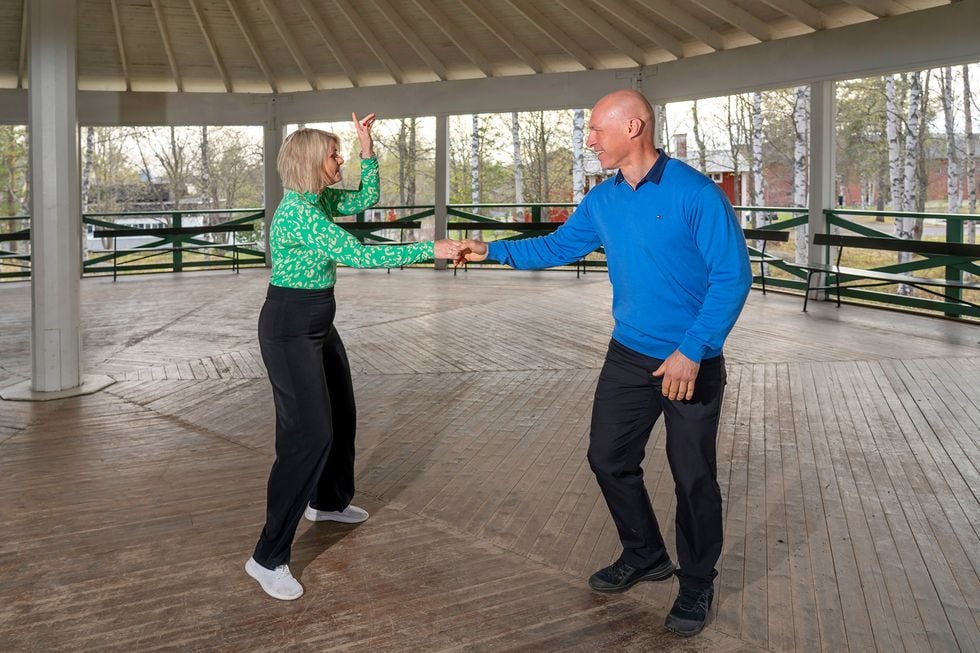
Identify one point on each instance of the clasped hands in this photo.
(460, 251)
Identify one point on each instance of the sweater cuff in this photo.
(496, 250)
(692, 349)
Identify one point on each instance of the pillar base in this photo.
(91, 383)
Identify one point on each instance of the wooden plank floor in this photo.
(848, 458)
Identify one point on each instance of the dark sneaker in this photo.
(690, 611)
(620, 576)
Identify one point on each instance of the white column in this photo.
(822, 164)
(55, 202)
(272, 141)
(56, 221)
(442, 181)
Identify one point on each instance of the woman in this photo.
(305, 358)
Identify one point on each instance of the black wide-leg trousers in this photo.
(628, 402)
(315, 414)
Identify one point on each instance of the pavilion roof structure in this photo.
(264, 46)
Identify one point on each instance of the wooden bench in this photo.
(880, 278)
(765, 235)
(176, 245)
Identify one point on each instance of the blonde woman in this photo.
(311, 383)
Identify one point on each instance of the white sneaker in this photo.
(349, 515)
(277, 583)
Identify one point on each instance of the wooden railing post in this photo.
(954, 234)
(176, 221)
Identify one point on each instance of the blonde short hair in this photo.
(300, 160)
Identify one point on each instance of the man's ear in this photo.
(635, 127)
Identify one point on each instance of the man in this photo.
(680, 275)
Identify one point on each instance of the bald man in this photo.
(680, 274)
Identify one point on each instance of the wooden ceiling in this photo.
(260, 46)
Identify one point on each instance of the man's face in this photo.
(608, 136)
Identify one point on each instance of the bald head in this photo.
(621, 133)
(625, 105)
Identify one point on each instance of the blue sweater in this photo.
(676, 255)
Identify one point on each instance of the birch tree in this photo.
(699, 138)
(660, 118)
(756, 191)
(515, 135)
(800, 115)
(578, 155)
(896, 180)
(952, 166)
(475, 161)
(971, 170)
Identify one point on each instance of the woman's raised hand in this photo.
(363, 127)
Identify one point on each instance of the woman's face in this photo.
(331, 165)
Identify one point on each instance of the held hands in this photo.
(448, 249)
(679, 373)
(471, 251)
(460, 251)
(363, 128)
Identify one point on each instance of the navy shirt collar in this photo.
(655, 174)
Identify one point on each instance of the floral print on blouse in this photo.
(306, 245)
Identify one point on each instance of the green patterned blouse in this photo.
(306, 245)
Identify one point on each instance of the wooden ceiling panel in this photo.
(360, 42)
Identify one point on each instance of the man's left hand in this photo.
(679, 374)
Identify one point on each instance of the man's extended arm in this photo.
(567, 244)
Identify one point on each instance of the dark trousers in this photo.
(628, 401)
(315, 414)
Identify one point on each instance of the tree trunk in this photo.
(402, 159)
(971, 161)
(578, 153)
(758, 197)
(952, 167)
(699, 139)
(911, 178)
(87, 181)
(475, 167)
(660, 118)
(515, 134)
(800, 110)
(411, 161)
(177, 169)
(543, 161)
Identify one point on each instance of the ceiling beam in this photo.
(641, 24)
(412, 38)
(212, 48)
(455, 35)
(556, 34)
(738, 17)
(602, 27)
(287, 37)
(516, 46)
(878, 8)
(686, 22)
(330, 41)
(119, 43)
(370, 40)
(165, 35)
(801, 11)
(252, 44)
(22, 59)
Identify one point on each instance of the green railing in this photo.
(15, 247)
(953, 268)
(167, 252)
(496, 221)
